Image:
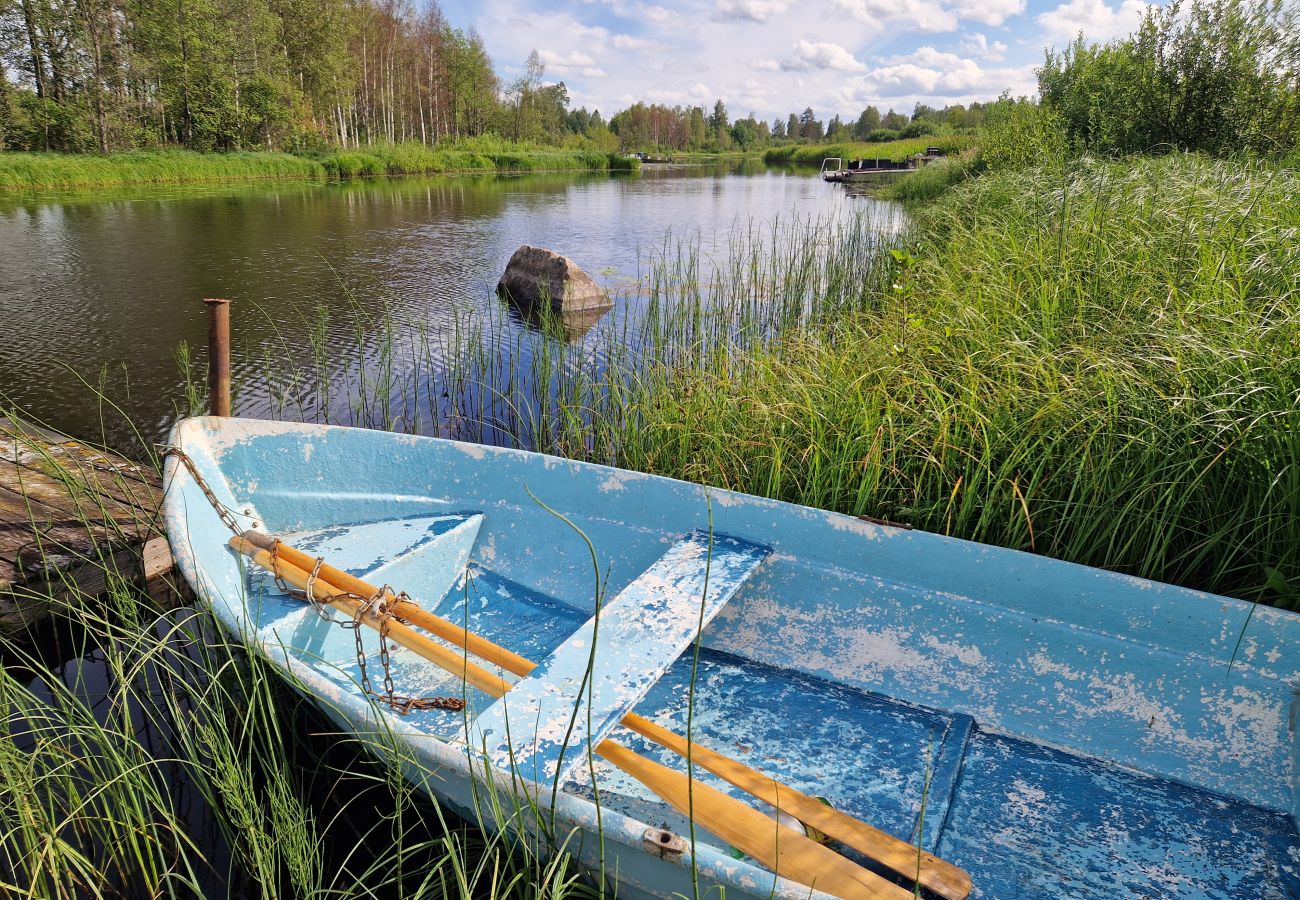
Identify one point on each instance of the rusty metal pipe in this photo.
(218, 356)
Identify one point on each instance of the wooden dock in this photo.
(73, 519)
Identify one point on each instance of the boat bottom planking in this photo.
(1054, 730)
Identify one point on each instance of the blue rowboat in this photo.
(1054, 730)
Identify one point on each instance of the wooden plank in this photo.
(79, 469)
(73, 519)
(48, 498)
(582, 690)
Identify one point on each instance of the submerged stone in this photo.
(537, 276)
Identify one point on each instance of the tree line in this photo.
(236, 74)
(304, 75)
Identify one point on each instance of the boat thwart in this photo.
(1052, 730)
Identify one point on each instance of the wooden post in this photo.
(219, 356)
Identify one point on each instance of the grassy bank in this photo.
(933, 180)
(1100, 364)
(894, 151)
(56, 171)
(481, 155)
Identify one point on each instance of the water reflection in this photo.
(99, 288)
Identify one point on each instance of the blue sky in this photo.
(774, 57)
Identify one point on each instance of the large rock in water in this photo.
(537, 276)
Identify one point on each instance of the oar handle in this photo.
(784, 850)
(906, 859)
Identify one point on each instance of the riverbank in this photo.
(893, 151)
(1096, 363)
(56, 171)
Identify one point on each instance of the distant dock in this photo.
(73, 521)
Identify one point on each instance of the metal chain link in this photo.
(377, 607)
(223, 512)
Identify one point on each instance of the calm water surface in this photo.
(102, 288)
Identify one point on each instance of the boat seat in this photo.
(541, 727)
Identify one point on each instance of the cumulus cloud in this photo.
(814, 55)
(575, 59)
(979, 45)
(987, 12)
(627, 42)
(913, 15)
(1097, 20)
(749, 10)
(928, 72)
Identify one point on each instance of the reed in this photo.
(59, 171)
(928, 183)
(54, 171)
(148, 754)
(1097, 364)
(486, 154)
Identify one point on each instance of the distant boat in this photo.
(834, 169)
(1045, 729)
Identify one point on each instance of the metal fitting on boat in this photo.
(664, 842)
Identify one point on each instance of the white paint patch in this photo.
(618, 479)
(967, 656)
(1041, 666)
(841, 522)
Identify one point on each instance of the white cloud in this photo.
(812, 56)
(913, 15)
(627, 42)
(979, 45)
(697, 94)
(659, 15)
(932, 74)
(988, 12)
(1097, 20)
(750, 10)
(574, 60)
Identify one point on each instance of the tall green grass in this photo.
(52, 171)
(929, 182)
(55, 171)
(470, 155)
(146, 754)
(893, 151)
(1099, 363)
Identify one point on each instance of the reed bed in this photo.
(1097, 364)
(57, 171)
(470, 155)
(54, 171)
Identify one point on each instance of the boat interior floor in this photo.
(1024, 819)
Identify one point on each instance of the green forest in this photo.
(309, 75)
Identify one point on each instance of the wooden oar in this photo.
(781, 849)
(906, 859)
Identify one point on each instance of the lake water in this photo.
(103, 287)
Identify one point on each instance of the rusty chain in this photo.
(377, 607)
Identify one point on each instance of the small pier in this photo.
(74, 520)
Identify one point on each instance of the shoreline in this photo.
(31, 172)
